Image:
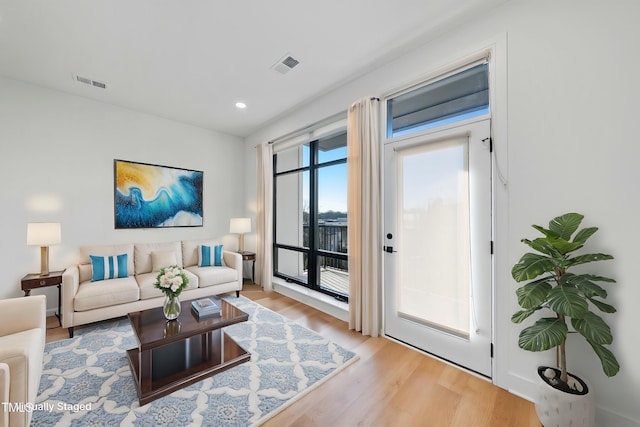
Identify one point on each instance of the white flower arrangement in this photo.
(171, 281)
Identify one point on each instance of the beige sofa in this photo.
(22, 338)
(85, 301)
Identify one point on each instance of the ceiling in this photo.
(192, 60)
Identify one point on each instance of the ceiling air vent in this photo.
(285, 64)
(89, 82)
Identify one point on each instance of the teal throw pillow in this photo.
(108, 267)
(208, 256)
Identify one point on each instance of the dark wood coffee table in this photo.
(174, 354)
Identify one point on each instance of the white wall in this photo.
(565, 121)
(57, 154)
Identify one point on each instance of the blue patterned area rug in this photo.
(87, 381)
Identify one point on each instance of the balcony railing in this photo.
(332, 237)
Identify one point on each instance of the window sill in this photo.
(317, 300)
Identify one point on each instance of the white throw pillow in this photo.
(163, 259)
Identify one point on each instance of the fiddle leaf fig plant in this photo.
(568, 296)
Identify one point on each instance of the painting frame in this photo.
(148, 195)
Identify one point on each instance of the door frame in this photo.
(503, 302)
(417, 139)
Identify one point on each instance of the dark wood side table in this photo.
(36, 281)
(250, 256)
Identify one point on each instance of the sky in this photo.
(332, 182)
(332, 188)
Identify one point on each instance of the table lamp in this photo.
(240, 226)
(43, 234)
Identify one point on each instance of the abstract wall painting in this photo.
(155, 196)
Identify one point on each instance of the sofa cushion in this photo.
(143, 251)
(145, 283)
(161, 259)
(106, 293)
(209, 256)
(210, 276)
(103, 250)
(108, 267)
(148, 291)
(190, 250)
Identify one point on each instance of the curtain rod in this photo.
(313, 126)
(310, 127)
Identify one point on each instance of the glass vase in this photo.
(171, 307)
(171, 328)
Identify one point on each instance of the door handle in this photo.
(388, 249)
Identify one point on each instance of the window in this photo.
(310, 222)
(462, 95)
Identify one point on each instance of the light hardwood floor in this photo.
(390, 384)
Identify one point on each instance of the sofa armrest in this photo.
(23, 353)
(234, 260)
(22, 340)
(22, 314)
(4, 393)
(70, 285)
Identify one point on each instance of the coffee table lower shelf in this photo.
(162, 370)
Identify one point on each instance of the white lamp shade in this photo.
(240, 225)
(43, 233)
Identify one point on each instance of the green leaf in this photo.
(606, 308)
(583, 259)
(564, 226)
(593, 328)
(542, 245)
(546, 232)
(585, 285)
(584, 234)
(567, 301)
(609, 362)
(531, 266)
(532, 295)
(595, 278)
(563, 246)
(555, 247)
(545, 334)
(521, 315)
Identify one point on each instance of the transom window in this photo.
(459, 96)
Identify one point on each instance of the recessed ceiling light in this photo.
(241, 105)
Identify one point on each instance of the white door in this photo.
(438, 244)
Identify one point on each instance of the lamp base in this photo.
(44, 261)
(241, 243)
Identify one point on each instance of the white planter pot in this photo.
(556, 408)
